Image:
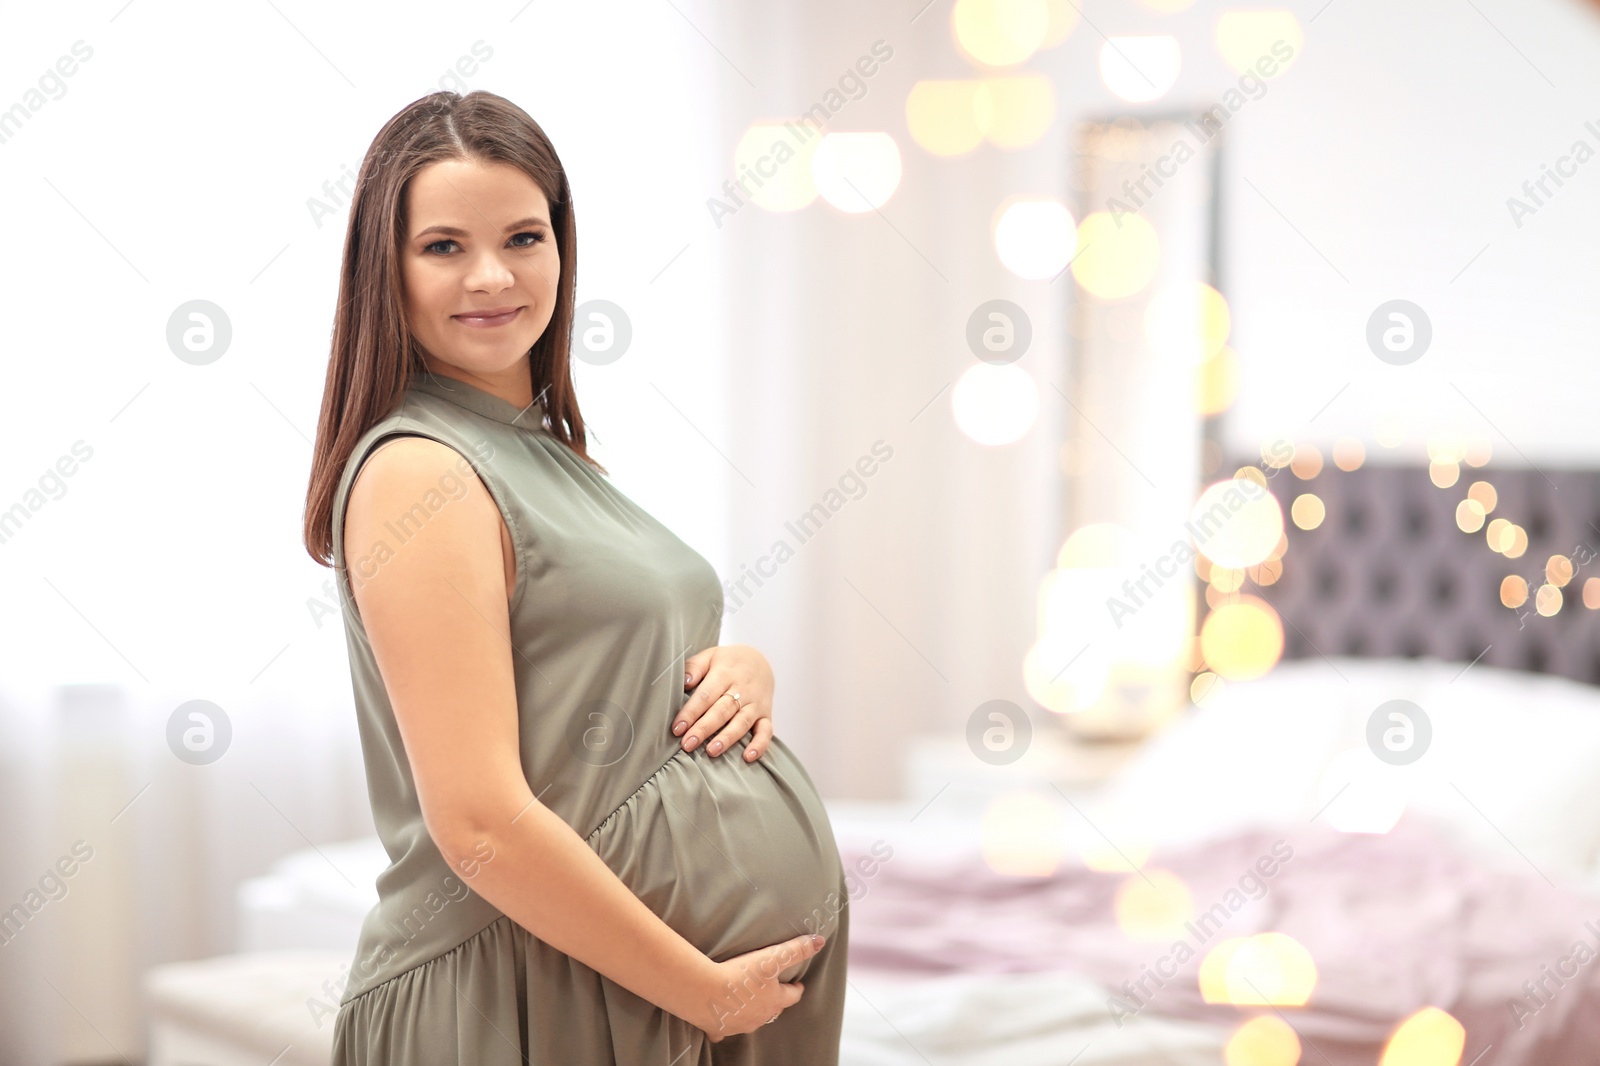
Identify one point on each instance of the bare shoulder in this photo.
(417, 508)
(402, 470)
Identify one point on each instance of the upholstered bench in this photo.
(244, 1010)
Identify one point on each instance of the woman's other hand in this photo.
(713, 674)
(748, 993)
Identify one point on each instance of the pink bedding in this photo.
(1394, 923)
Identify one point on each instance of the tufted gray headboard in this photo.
(1389, 574)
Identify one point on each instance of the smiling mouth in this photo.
(487, 321)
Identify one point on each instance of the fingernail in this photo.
(678, 729)
(817, 941)
(688, 745)
(716, 747)
(686, 679)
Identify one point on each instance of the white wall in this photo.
(178, 165)
(1379, 167)
(1393, 148)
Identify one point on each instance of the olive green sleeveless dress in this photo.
(733, 855)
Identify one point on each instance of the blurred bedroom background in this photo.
(1154, 441)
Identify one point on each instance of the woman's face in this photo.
(479, 240)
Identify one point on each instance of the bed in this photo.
(1446, 907)
(1484, 878)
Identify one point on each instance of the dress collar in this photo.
(478, 401)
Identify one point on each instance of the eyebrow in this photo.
(451, 231)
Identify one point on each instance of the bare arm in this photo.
(436, 614)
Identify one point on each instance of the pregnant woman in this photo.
(599, 851)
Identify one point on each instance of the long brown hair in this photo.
(374, 355)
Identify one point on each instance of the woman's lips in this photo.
(487, 321)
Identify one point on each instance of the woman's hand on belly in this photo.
(749, 994)
(714, 674)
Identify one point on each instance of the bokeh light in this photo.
(1119, 256)
(952, 117)
(1205, 688)
(1217, 383)
(994, 403)
(1226, 579)
(1519, 543)
(1307, 510)
(1063, 674)
(1265, 1040)
(1000, 33)
(1266, 970)
(1140, 69)
(1253, 473)
(856, 172)
(1153, 905)
(1500, 534)
(1430, 1037)
(1447, 448)
(1236, 523)
(1035, 238)
(1066, 669)
(1023, 835)
(767, 154)
(1558, 570)
(1187, 322)
(1080, 663)
(1469, 516)
(1307, 461)
(1349, 454)
(1099, 544)
(1243, 639)
(1265, 43)
(1266, 572)
(1064, 17)
(1485, 495)
(942, 116)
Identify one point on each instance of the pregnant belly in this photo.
(733, 855)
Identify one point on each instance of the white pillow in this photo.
(1251, 757)
(1512, 767)
(1509, 770)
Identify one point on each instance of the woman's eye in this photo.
(538, 238)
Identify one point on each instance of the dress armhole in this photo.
(342, 503)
